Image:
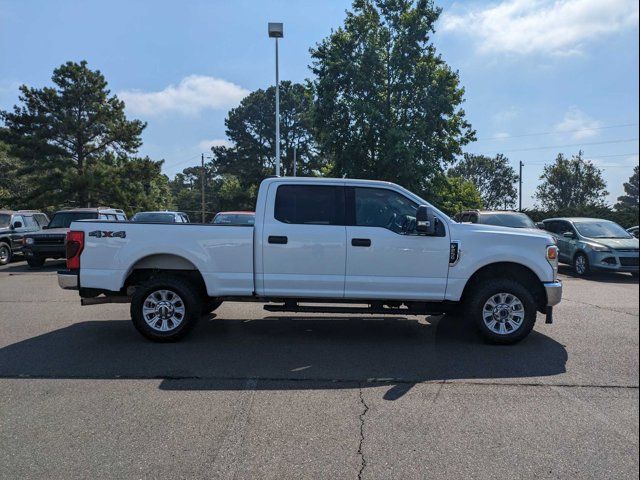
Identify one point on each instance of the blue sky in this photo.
(537, 73)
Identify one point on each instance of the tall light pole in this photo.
(276, 31)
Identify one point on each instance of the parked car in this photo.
(320, 240)
(593, 244)
(13, 227)
(160, 217)
(234, 218)
(633, 231)
(502, 218)
(49, 243)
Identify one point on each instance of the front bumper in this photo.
(554, 293)
(68, 280)
(44, 250)
(614, 261)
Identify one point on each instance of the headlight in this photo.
(28, 241)
(598, 248)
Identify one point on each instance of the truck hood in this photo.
(50, 232)
(616, 243)
(466, 229)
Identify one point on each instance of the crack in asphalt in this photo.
(599, 307)
(365, 409)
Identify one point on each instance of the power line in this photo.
(502, 137)
(180, 162)
(547, 147)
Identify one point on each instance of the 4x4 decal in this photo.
(108, 234)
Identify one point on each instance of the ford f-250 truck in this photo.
(319, 245)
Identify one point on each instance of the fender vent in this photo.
(454, 253)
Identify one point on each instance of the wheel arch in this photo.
(157, 264)
(510, 270)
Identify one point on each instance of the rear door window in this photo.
(310, 204)
(30, 222)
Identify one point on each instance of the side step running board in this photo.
(295, 308)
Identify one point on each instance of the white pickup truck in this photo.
(319, 245)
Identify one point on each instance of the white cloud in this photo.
(579, 124)
(216, 142)
(192, 95)
(501, 135)
(559, 27)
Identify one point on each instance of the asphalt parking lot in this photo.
(250, 394)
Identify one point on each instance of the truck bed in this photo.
(223, 254)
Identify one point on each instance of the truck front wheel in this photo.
(503, 310)
(165, 308)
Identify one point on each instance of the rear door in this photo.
(304, 241)
(386, 258)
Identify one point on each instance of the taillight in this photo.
(74, 244)
(552, 253)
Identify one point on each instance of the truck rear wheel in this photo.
(165, 308)
(503, 310)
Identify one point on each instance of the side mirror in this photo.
(425, 221)
(568, 235)
(17, 224)
(540, 225)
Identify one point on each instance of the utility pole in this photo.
(520, 188)
(295, 150)
(202, 185)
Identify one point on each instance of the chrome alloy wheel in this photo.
(163, 310)
(4, 253)
(503, 313)
(581, 264)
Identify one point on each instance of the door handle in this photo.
(278, 239)
(360, 242)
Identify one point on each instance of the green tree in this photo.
(62, 135)
(250, 127)
(12, 185)
(631, 198)
(387, 106)
(454, 194)
(571, 183)
(494, 178)
(133, 184)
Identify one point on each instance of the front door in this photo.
(304, 241)
(386, 258)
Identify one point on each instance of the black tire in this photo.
(492, 289)
(210, 305)
(581, 269)
(35, 262)
(5, 253)
(188, 297)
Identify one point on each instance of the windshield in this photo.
(64, 219)
(601, 229)
(151, 217)
(234, 219)
(513, 220)
(4, 220)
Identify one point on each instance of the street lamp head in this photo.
(276, 30)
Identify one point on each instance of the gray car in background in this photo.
(592, 244)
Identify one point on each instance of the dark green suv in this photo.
(14, 225)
